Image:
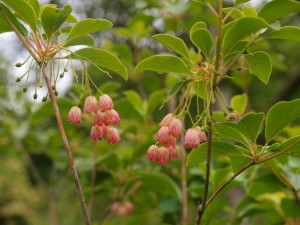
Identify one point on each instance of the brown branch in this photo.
(67, 146)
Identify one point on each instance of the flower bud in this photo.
(202, 136)
(167, 120)
(152, 153)
(35, 96)
(192, 139)
(112, 117)
(162, 156)
(104, 129)
(106, 103)
(74, 115)
(19, 64)
(164, 138)
(113, 135)
(173, 152)
(175, 128)
(233, 116)
(99, 118)
(96, 133)
(91, 105)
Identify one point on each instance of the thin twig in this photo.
(93, 182)
(227, 182)
(67, 147)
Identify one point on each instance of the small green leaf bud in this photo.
(19, 65)
(40, 85)
(18, 79)
(56, 92)
(61, 75)
(35, 96)
(24, 89)
(53, 87)
(230, 108)
(65, 69)
(44, 99)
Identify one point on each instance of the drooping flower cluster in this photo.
(104, 117)
(170, 129)
(122, 208)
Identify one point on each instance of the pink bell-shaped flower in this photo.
(91, 105)
(113, 135)
(99, 118)
(162, 156)
(167, 120)
(192, 139)
(152, 153)
(112, 117)
(106, 103)
(96, 133)
(74, 115)
(175, 128)
(164, 138)
(173, 152)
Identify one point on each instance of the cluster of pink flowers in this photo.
(122, 208)
(104, 117)
(170, 129)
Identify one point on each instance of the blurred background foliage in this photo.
(36, 185)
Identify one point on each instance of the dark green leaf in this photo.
(88, 26)
(135, 99)
(240, 29)
(178, 86)
(6, 15)
(81, 40)
(35, 5)
(52, 18)
(279, 116)
(102, 58)
(260, 65)
(199, 88)
(219, 149)
(24, 10)
(288, 32)
(164, 64)
(203, 40)
(174, 43)
(274, 10)
(110, 86)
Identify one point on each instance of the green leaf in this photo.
(290, 145)
(24, 10)
(279, 116)
(260, 65)
(240, 29)
(178, 86)
(81, 40)
(110, 86)
(164, 64)
(198, 25)
(35, 6)
(237, 2)
(276, 9)
(155, 100)
(135, 99)
(8, 15)
(102, 58)
(219, 149)
(199, 88)
(174, 43)
(158, 183)
(235, 13)
(4, 27)
(249, 11)
(203, 40)
(239, 103)
(52, 18)
(288, 33)
(88, 26)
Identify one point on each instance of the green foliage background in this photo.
(36, 186)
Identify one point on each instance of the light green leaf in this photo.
(110, 86)
(274, 10)
(7, 14)
(249, 11)
(71, 19)
(198, 25)
(35, 5)
(235, 13)
(102, 58)
(203, 40)
(24, 10)
(174, 43)
(219, 149)
(177, 87)
(81, 40)
(237, 2)
(290, 145)
(135, 99)
(199, 88)
(155, 100)
(260, 65)
(288, 33)
(164, 64)
(279, 116)
(239, 103)
(159, 183)
(52, 18)
(240, 29)
(88, 26)
(4, 27)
